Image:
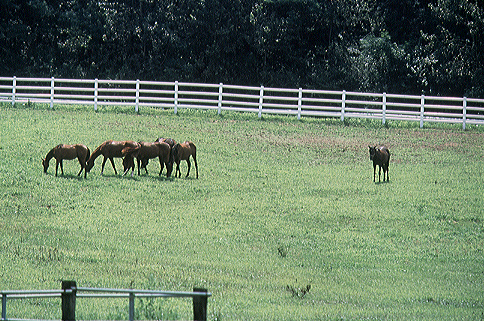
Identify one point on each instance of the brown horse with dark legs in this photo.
(169, 141)
(183, 151)
(381, 157)
(61, 152)
(148, 151)
(110, 149)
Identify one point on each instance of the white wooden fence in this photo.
(262, 100)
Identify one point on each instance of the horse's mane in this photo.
(97, 151)
(50, 154)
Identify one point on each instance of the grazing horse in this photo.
(183, 151)
(61, 152)
(148, 151)
(381, 157)
(110, 149)
(169, 166)
(128, 162)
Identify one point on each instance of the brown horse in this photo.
(61, 152)
(148, 151)
(381, 157)
(183, 151)
(169, 166)
(128, 163)
(110, 149)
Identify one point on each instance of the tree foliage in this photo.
(402, 46)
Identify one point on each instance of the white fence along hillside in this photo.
(262, 100)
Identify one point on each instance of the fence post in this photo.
(131, 306)
(343, 105)
(299, 104)
(4, 306)
(68, 300)
(220, 91)
(96, 86)
(464, 113)
(384, 108)
(261, 100)
(136, 108)
(422, 107)
(14, 85)
(52, 93)
(176, 97)
(199, 306)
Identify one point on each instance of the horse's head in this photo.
(89, 165)
(45, 163)
(128, 162)
(372, 151)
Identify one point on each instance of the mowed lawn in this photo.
(284, 222)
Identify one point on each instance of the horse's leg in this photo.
(56, 166)
(374, 171)
(102, 166)
(188, 164)
(162, 165)
(62, 167)
(139, 164)
(379, 173)
(169, 169)
(177, 170)
(387, 165)
(196, 166)
(114, 167)
(80, 162)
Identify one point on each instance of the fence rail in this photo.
(262, 100)
(70, 292)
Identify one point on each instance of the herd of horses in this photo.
(168, 151)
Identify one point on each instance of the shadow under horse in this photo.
(381, 157)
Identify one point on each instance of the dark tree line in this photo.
(398, 46)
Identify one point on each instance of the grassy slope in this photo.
(280, 204)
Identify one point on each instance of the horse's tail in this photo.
(88, 154)
(193, 149)
(174, 152)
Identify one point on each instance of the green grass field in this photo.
(280, 204)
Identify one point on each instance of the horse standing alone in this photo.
(69, 152)
(381, 157)
(183, 151)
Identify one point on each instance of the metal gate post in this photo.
(69, 300)
(199, 306)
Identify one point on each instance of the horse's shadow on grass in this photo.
(384, 182)
(68, 176)
(135, 177)
(142, 177)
